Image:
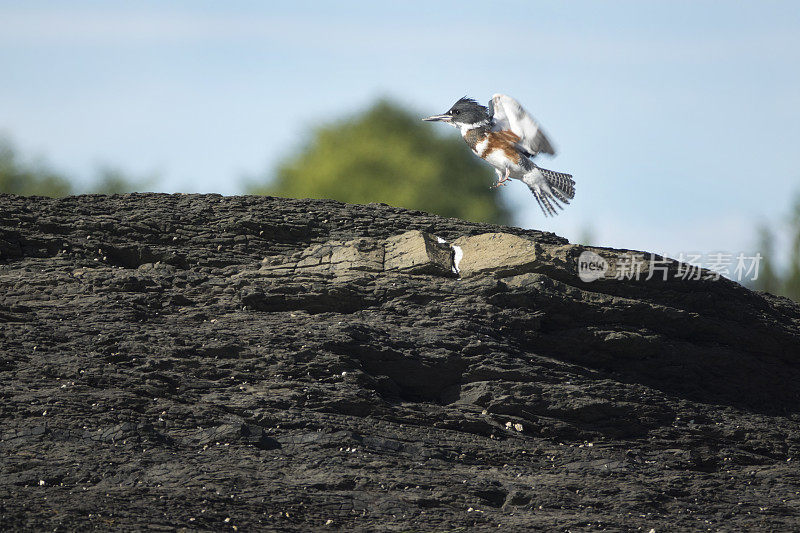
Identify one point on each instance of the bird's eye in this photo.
(456, 112)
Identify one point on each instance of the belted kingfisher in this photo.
(508, 138)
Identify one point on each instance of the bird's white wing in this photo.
(508, 114)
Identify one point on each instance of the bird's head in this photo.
(464, 115)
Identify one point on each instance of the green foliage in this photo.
(111, 180)
(792, 280)
(18, 177)
(586, 236)
(785, 283)
(37, 179)
(768, 279)
(387, 154)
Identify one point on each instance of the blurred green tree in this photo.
(387, 154)
(112, 180)
(586, 236)
(792, 280)
(768, 280)
(37, 179)
(787, 281)
(18, 177)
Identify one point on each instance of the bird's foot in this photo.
(502, 181)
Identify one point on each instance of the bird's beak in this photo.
(439, 118)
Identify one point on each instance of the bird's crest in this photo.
(470, 101)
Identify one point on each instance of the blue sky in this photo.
(680, 120)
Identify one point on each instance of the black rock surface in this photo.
(211, 363)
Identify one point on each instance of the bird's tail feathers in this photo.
(550, 187)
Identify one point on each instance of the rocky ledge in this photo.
(212, 363)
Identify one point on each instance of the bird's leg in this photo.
(499, 177)
(503, 180)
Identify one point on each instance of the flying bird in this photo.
(508, 138)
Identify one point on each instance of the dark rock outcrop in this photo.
(208, 362)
